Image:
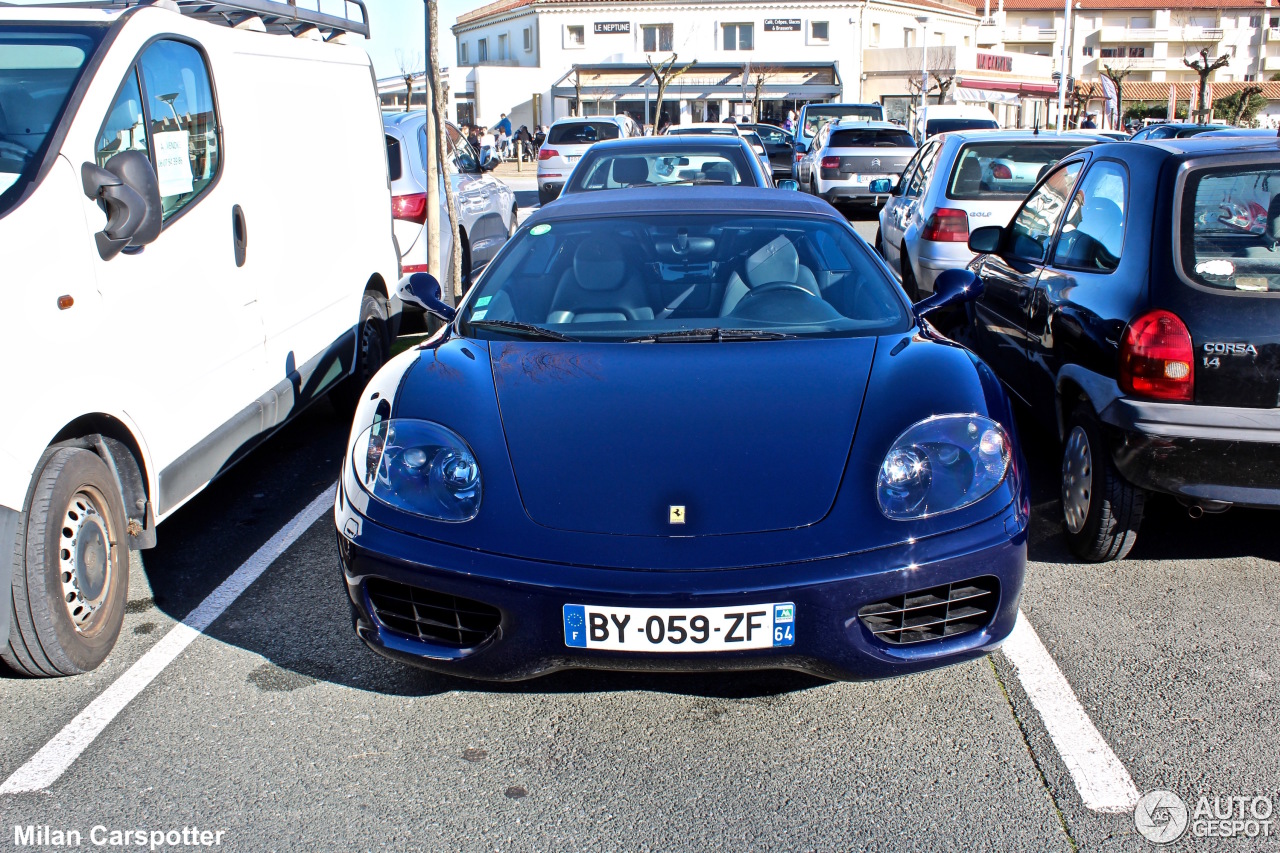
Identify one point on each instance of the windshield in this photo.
(871, 138)
(701, 131)
(582, 132)
(1230, 229)
(1005, 171)
(950, 125)
(39, 66)
(816, 117)
(678, 165)
(722, 275)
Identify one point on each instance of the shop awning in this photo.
(986, 96)
(1017, 87)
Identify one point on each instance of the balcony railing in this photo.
(1131, 35)
(1030, 34)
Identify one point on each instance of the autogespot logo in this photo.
(1161, 816)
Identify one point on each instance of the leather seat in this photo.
(630, 170)
(720, 173)
(1271, 235)
(775, 261)
(600, 287)
(969, 178)
(1095, 243)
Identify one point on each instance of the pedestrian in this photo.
(524, 143)
(664, 122)
(539, 137)
(503, 125)
(473, 137)
(487, 146)
(791, 121)
(1088, 123)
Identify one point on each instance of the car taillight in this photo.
(1156, 358)
(545, 153)
(410, 208)
(831, 162)
(1001, 172)
(799, 156)
(947, 225)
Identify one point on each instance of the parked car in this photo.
(1175, 130)
(780, 145)
(606, 495)
(1132, 302)
(813, 116)
(567, 139)
(847, 157)
(1113, 135)
(955, 182)
(183, 275)
(756, 144)
(666, 161)
(949, 118)
(486, 206)
(704, 128)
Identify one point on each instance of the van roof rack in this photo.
(280, 16)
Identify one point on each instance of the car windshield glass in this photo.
(1004, 170)
(582, 132)
(680, 166)
(715, 276)
(871, 138)
(1230, 228)
(39, 66)
(701, 131)
(951, 125)
(816, 118)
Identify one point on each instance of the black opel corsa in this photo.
(1134, 303)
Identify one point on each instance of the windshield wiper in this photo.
(526, 330)
(709, 336)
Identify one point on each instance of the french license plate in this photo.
(866, 179)
(704, 629)
(572, 158)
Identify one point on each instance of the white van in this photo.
(195, 244)
(947, 118)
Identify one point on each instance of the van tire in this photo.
(1109, 528)
(74, 492)
(373, 349)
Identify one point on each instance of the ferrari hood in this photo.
(680, 439)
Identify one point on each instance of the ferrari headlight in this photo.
(942, 464)
(419, 467)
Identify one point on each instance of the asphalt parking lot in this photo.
(276, 726)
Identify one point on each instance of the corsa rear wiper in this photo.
(709, 336)
(526, 330)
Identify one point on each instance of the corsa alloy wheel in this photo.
(85, 558)
(1077, 479)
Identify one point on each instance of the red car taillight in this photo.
(799, 156)
(831, 162)
(410, 208)
(947, 225)
(545, 153)
(1001, 172)
(1156, 358)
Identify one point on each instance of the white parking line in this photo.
(55, 757)
(1103, 782)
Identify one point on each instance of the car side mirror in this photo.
(422, 289)
(490, 162)
(985, 240)
(788, 184)
(880, 186)
(952, 287)
(129, 189)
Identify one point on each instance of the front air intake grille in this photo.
(931, 614)
(434, 617)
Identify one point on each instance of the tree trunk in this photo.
(452, 278)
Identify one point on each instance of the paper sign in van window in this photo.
(173, 162)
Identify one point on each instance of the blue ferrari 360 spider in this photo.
(684, 429)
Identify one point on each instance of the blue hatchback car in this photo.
(684, 430)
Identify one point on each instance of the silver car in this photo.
(956, 182)
(486, 206)
(848, 155)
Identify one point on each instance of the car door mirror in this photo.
(490, 162)
(952, 287)
(788, 184)
(880, 186)
(422, 289)
(128, 187)
(985, 240)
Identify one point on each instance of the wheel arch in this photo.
(116, 444)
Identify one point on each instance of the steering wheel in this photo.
(776, 286)
(784, 301)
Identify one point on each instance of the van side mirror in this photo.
(880, 186)
(952, 287)
(985, 240)
(422, 289)
(129, 189)
(788, 184)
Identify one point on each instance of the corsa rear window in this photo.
(1229, 232)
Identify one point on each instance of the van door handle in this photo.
(239, 234)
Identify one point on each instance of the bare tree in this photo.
(1204, 67)
(577, 91)
(1116, 75)
(665, 72)
(1077, 99)
(760, 74)
(409, 71)
(941, 74)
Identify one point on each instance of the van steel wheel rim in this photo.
(1077, 479)
(84, 557)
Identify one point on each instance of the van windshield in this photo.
(39, 66)
(816, 117)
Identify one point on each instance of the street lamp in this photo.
(923, 20)
(1066, 52)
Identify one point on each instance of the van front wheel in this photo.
(70, 570)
